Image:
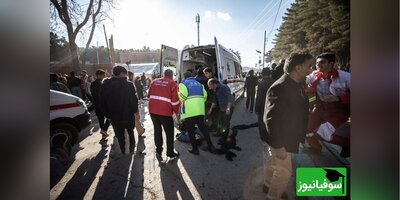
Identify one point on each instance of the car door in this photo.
(169, 60)
(226, 67)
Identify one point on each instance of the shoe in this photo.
(251, 111)
(266, 189)
(174, 156)
(194, 151)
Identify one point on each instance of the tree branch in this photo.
(88, 11)
(59, 10)
(94, 16)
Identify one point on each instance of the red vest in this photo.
(163, 97)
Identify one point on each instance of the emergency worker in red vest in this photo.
(331, 99)
(163, 104)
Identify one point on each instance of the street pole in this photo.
(98, 62)
(111, 40)
(198, 28)
(263, 56)
(108, 50)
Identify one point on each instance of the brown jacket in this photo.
(286, 114)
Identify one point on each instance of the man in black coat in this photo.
(278, 71)
(74, 84)
(201, 78)
(286, 117)
(95, 90)
(119, 103)
(263, 87)
(250, 88)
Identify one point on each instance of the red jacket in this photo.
(163, 97)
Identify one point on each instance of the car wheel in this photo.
(61, 137)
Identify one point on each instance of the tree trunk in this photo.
(83, 58)
(73, 48)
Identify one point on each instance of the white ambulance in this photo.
(223, 62)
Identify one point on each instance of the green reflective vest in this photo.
(192, 96)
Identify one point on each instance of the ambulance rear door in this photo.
(169, 60)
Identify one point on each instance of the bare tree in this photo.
(75, 17)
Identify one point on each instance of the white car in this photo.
(68, 116)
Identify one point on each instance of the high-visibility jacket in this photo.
(192, 96)
(163, 97)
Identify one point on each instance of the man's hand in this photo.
(281, 153)
(330, 98)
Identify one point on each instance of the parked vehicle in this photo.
(68, 116)
(224, 63)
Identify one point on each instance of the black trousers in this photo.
(190, 127)
(213, 117)
(224, 122)
(250, 99)
(168, 124)
(103, 125)
(140, 94)
(119, 130)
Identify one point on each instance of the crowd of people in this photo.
(307, 103)
(299, 100)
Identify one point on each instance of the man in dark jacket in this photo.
(250, 88)
(212, 119)
(95, 90)
(263, 87)
(278, 71)
(119, 103)
(55, 84)
(225, 101)
(285, 117)
(74, 84)
(201, 78)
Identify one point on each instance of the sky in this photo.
(237, 24)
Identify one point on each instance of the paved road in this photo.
(98, 171)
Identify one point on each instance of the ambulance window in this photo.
(238, 70)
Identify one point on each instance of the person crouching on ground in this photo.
(224, 98)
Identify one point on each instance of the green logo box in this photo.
(321, 181)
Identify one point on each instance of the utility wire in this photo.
(257, 24)
(273, 24)
(255, 20)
